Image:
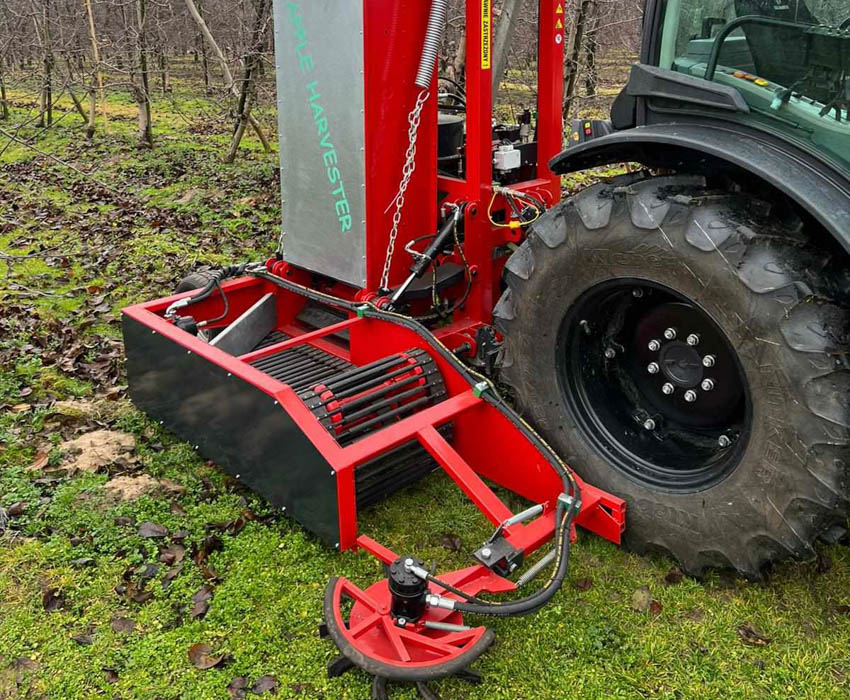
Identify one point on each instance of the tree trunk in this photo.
(78, 105)
(228, 76)
(4, 103)
(97, 74)
(574, 56)
(47, 86)
(143, 94)
(457, 65)
(502, 44)
(246, 97)
(591, 74)
(163, 72)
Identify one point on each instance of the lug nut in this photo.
(637, 293)
(649, 424)
(693, 340)
(668, 389)
(690, 396)
(724, 441)
(670, 334)
(708, 361)
(707, 384)
(610, 353)
(655, 345)
(486, 553)
(653, 368)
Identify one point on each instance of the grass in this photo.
(72, 254)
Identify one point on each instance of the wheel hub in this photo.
(654, 384)
(681, 364)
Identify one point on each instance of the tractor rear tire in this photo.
(754, 468)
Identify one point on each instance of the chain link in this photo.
(414, 118)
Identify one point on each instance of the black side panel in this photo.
(698, 146)
(679, 91)
(234, 424)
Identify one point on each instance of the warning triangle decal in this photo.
(560, 10)
(559, 25)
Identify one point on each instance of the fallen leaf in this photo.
(237, 687)
(129, 488)
(172, 554)
(96, 450)
(583, 584)
(201, 601)
(177, 509)
(171, 574)
(264, 684)
(150, 529)
(147, 571)
(655, 607)
(82, 639)
(52, 599)
(122, 624)
(111, 674)
(125, 521)
(83, 561)
(674, 576)
(751, 636)
(824, 563)
(40, 461)
(201, 656)
(451, 542)
(695, 615)
(16, 510)
(843, 609)
(21, 408)
(641, 599)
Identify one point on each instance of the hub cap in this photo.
(670, 406)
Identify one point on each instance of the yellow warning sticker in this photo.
(560, 10)
(486, 38)
(559, 25)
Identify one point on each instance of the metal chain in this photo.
(413, 119)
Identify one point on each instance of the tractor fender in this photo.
(698, 147)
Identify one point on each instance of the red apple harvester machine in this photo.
(359, 358)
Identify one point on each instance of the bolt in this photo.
(637, 293)
(668, 389)
(670, 334)
(610, 353)
(402, 622)
(653, 368)
(649, 424)
(408, 562)
(693, 340)
(724, 441)
(585, 326)
(707, 384)
(708, 361)
(690, 396)
(655, 345)
(486, 553)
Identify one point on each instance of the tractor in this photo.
(672, 342)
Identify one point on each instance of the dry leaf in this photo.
(751, 636)
(202, 657)
(641, 599)
(150, 529)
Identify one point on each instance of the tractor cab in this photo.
(787, 60)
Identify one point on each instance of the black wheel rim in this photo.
(654, 384)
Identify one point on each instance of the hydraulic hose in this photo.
(215, 283)
(431, 46)
(532, 603)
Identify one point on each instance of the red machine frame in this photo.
(511, 456)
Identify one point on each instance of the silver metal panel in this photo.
(320, 87)
(247, 331)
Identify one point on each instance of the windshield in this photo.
(790, 59)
